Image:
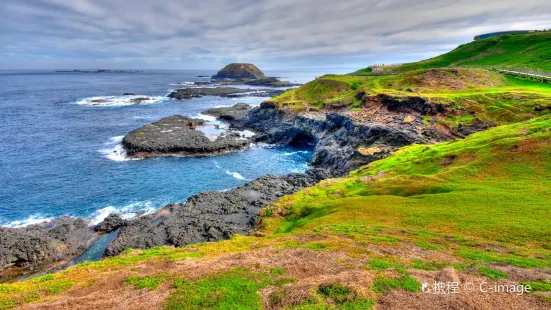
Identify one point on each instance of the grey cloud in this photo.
(272, 33)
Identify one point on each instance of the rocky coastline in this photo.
(179, 136)
(228, 92)
(340, 144)
(341, 139)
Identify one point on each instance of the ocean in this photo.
(60, 153)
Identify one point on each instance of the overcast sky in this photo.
(274, 34)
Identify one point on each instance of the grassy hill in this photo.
(475, 209)
(485, 94)
(530, 51)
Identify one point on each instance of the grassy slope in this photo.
(491, 97)
(530, 51)
(482, 203)
(493, 185)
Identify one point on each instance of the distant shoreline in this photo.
(96, 71)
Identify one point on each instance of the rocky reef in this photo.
(29, 249)
(190, 93)
(238, 111)
(239, 71)
(209, 216)
(178, 135)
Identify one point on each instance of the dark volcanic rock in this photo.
(210, 216)
(111, 223)
(239, 71)
(129, 94)
(139, 100)
(38, 246)
(176, 135)
(335, 138)
(236, 112)
(189, 93)
(270, 82)
(411, 104)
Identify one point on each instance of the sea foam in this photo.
(31, 220)
(236, 175)
(129, 211)
(118, 101)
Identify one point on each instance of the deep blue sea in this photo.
(60, 154)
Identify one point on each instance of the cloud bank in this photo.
(183, 34)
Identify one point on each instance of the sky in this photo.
(273, 34)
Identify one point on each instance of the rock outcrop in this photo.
(27, 249)
(111, 223)
(230, 114)
(177, 135)
(336, 140)
(239, 71)
(190, 93)
(210, 216)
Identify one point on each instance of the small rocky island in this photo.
(239, 71)
(179, 136)
(235, 74)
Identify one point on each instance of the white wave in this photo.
(293, 153)
(115, 151)
(216, 164)
(205, 117)
(31, 220)
(246, 133)
(114, 101)
(129, 211)
(236, 175)
(99, 215)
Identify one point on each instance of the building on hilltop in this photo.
(500, 33)
(382, 68)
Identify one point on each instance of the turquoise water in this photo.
(61, 155)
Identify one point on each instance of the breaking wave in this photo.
(118, 101)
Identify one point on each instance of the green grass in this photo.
(382, 285)
(530, 51)
(482, 95)
(383, 264)
(539, 286)
(14, 294)
(496, 190)
(234, 289)
(149, 282)
(338, 293)
(492, 273)
(128, 258)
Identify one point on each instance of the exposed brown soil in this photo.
(309, 268)
(457, 79)
(464, 299)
